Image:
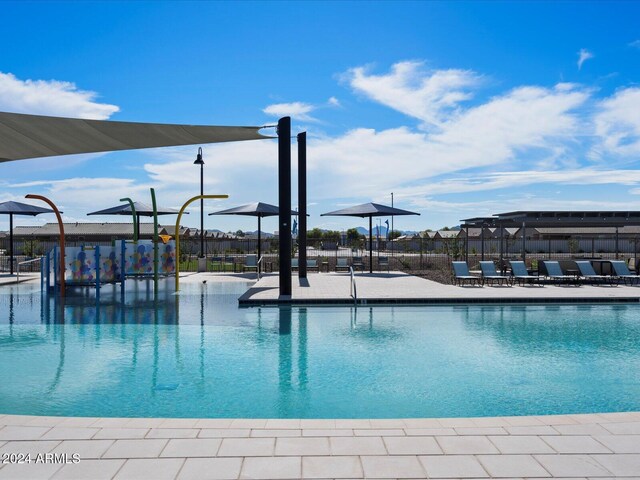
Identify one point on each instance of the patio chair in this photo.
(521, 274)
(294, 264)
(461, 275)
(250, 263)
(342, 263)
(357, 262)
(491, 276)
(588, 273)
(312, 264)
(554, 272)
(622, 273)
(383, 262)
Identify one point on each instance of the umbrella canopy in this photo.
(142, 209)
(369, 210)
(257, 209)
(17, 208)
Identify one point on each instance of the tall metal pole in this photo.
(302, 204)
(284, 204)
(199, 161)
(11, 244)
(370, 245)
(392, 245)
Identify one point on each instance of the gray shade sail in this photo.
(32, 136)
(257, 209)
(142, 209)
(17, 208)
(369, 210)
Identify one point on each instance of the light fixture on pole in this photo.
(200, 161)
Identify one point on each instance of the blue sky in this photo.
(460, 109)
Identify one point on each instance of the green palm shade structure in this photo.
(17, 208)
(369, 210)
(257, 209)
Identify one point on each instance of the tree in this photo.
(239, 233)
(353, 237)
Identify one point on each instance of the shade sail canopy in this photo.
(369, 210)
(17, 208)
(32, 136)
(257, 209)
(564, 219)
(142, 209)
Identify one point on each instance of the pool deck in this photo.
(399, 287)
(563, 446)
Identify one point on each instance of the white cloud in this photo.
(583, 56)
(50, 97)
(617, 125)
(431, 96)
(635, 44)
(297, 110)
(334, 102)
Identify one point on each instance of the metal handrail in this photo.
(258, 266)
(353, 290)
(25, 263)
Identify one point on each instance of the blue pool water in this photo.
(199, 355)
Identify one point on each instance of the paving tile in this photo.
(43, 421)
(267, 432)
(84, 448)
(422, 423)
(18, 419)
(512, 466)
(490, 422)
(214, 423)
(283, 423)
(302, 446)
(146, 448)
(359, 423)
(224, 433)
(620, 443)
(425, 432)
(456, 422)
(89, 469)
(111, 422)
(178, 423)
(30, 471)
(247, 447)
(386, 432)
(622, 428)
(620, 416)
(173, 433)
(121, 433)
(15, 432)
(466, 445)
(248, 423)
(143, 468)
(392, 467)
(511, 444)
(357, 446)
(534, 430)
(331, 467)
(523, 421)
(557, 420)
(69, 433)
(272, 468)
(144, 423)
(571, 465)
(574, 444)
(327, 432)
(587, 418)
(481, 431)
(412, 445)
(387, 423)
(318, 423)
(191, 447)
(582, 429)
(621, 464)
(77, 421)
(210, 469)
(453, 466)
(29, 446)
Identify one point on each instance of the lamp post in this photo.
(200, 161)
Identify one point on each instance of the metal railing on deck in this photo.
(26, 262)
(259, 264)
(354, 290)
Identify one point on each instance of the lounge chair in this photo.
(588, 273)
(250, 263)
(383, 262)
(294, 264)
(521, 274)
(490, 275)
(342, 264)
(554, 272)
(622, 273)
(312, 264)
(461, 274)
(358, 263)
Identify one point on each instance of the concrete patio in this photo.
(564, 446)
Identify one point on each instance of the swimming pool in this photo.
(199, 355)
